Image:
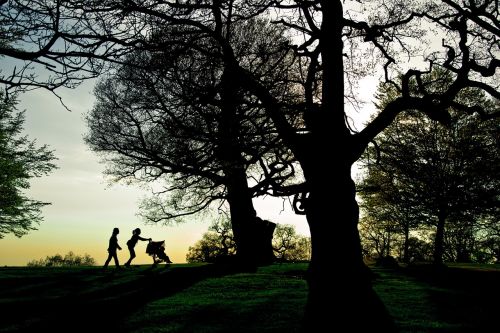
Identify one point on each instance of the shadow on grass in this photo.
(90, 300)
(271, 300)
(465, 296)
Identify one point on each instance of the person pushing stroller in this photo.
(132, 242)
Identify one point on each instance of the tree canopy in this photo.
(427, 173)
(173, 118)
(20, 161)
(163, 116)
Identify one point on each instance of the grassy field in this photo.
(209, 298)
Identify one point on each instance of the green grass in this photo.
(207, 298)
(460, 298)
(409, 302)
(269, 300)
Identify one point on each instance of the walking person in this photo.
(132, 242)
(113, 246)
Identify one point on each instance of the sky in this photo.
(85, 207)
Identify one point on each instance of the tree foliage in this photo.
(289, 246)
(163, 118)
(215, 245)
(218, 244)
(70, 259)
(427, 173)
(20, 161)
(174, 119)
(385, 238)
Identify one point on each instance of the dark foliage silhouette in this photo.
(70, 259)
(20, 161)
(182, 116)
(427, 174)
(215, 245)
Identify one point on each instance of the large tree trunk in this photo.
(388, 250)
(339, 282)
(253, 236)
(465, 244)
(406, 245)
(340, 292)
(439, 239)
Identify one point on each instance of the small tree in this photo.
(20, 160)
(378, 238)
(290, 246)
(215, 244)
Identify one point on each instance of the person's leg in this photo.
(108, 260)
(132, 256)
(117, 263)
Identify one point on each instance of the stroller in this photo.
(157, 251)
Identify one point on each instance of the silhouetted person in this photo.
(132, 242)
(113, 246)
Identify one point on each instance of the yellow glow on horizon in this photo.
(38, 245)
(84, 209)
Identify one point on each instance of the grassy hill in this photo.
(210, 298)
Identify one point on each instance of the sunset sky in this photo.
(85, 207)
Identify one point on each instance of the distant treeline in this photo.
(69, 260)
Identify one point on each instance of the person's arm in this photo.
(143, 239)
(115, 242)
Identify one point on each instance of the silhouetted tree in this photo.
(383, 204)
(487, 241)
(377, 237)
(420, 249)
(70, 259)
(20, 160)
(215, 245)
(289, 246)
(332, 42)
(171, 120)
(383, 238)
(218, 243)
(438, 174)
(460, 240)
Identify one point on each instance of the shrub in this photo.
(69, 260)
